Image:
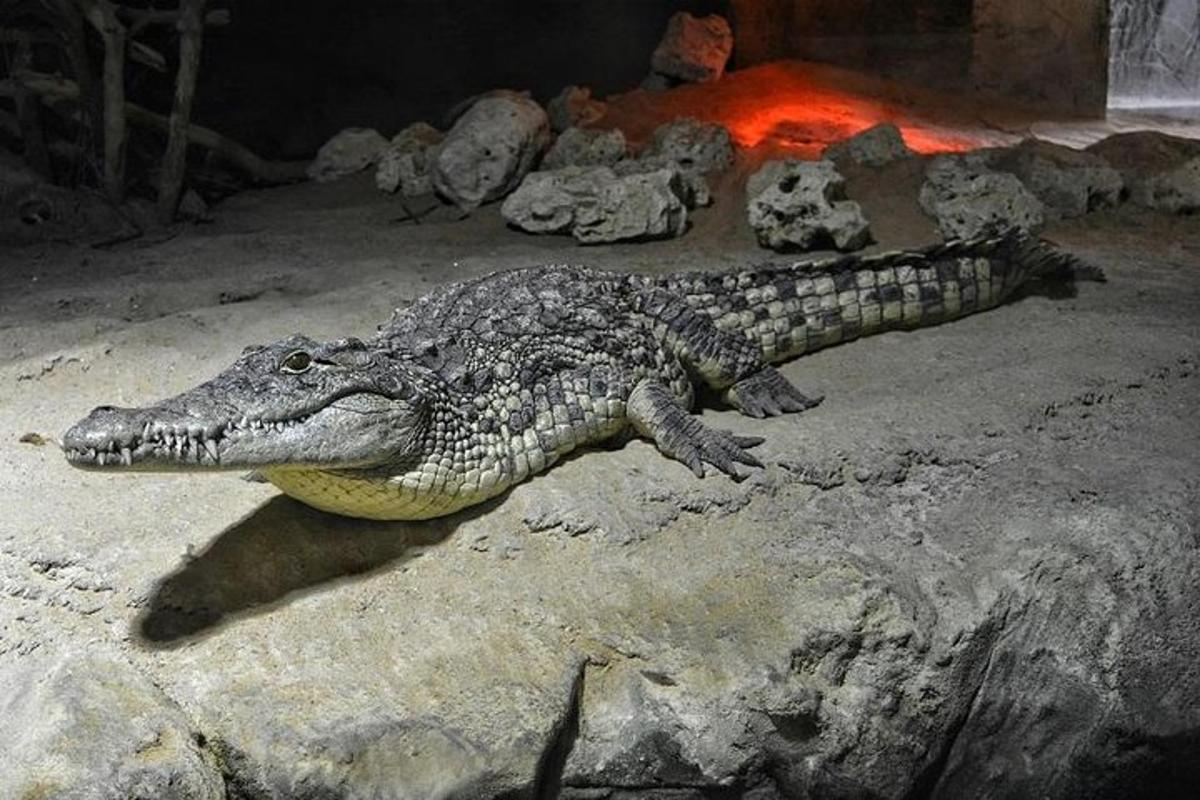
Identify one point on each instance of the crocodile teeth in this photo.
(126, 456)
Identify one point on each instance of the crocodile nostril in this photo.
(103, 409)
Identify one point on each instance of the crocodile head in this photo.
(293, 404)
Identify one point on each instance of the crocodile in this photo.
(479, 385)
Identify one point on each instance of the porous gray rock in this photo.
(876, 146)
(573, 107)
(693, 49)
(88, 725)
(404, 163)
(702, 147)
(1161, 172)
(586, 147)
(691, 186)
(802, 205)
(594, 204)
(490, 148)
(349, 151)
(1069, 182)
(969, 200)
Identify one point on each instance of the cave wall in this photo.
(1155, 53)
(285, 76)
(922, 41)
(1048, 54)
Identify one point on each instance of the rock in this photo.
(691, 186)
(491, 147)
(802, 205)
(417, 136)
(574, 107)
(693, 49)
(351, 150)
(1069, 182)
(1160, 172)
(585, 147)
(700, 146)
(657, 82)
(192, 207)
(404, 164)
(90, 726)
(594, 204)
(969, 200)
(874, 147)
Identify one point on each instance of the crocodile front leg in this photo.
(727, 361)
(657, 415)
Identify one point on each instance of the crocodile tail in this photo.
(1046, 260)
(789, 309)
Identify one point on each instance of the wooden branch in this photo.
(142, 18)
(102, 14)
(29, 116)
(191, 37)
(52, 88)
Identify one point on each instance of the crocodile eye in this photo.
(296, 362)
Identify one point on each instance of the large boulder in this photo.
(1069, 182)
(349, 151)
(1160, 172)
(404, 163)
(693, 49)
(691, 185)
(802, 205)
(970, 200)
(574, 107)
(873, 147)
(89, 725)
(586, 147)
(594, 204)
(490, 148)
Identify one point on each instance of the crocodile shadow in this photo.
(281, 549)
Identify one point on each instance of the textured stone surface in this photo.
(1154, 58)
(586, 147)
(696, 146)
(490, 148)
(1069, 182)
(1160, 172)
(693, 48)
(594, 204)
(874, 147)
(574, 106)
(802, 205)
(691, 186)
(88, 725)
(349, 151)
(1053, 55)
(404, 163)
(968, 199)
(971, 572)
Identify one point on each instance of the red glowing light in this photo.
(791, 106)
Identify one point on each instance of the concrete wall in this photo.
(1051, 53)
(922, 41)
(1155, 50)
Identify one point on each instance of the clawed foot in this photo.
(767, 393)
(694, 444)
(677, 434)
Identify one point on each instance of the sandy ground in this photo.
(221, 591)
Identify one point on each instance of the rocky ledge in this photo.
(971, 572)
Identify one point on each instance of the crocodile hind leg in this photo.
(657, 415)
(767, 393)
(727, 361)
